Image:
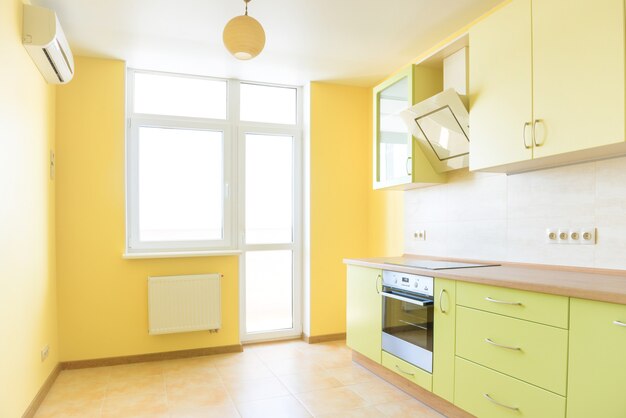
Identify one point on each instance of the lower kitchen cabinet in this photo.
(597, 360)
(408, 371)
(364, 311)
(444, 338)
(486, 393)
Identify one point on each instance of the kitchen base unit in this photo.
(423, 395)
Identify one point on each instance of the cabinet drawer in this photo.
(534, 353)
(537, 307)
(408, 371)
(488, 394)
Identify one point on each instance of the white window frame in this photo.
(229, 201)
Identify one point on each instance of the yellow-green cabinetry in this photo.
(443, 345)
(501, 87)
(597, 360)
(487, 393)
(364, 311)
(398, 161)
(547, 80)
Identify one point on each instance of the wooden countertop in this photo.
(585, 283)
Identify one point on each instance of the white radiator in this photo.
(184, 303)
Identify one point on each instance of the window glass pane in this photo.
(269, 189)
(269, 290)
(180, 184)
(180, 96)
(268, 104)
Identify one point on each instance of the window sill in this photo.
(179, 254)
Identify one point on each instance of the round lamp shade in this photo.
(244, 37)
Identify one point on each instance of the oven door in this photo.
(408, 328)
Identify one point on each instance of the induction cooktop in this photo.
(435, 264)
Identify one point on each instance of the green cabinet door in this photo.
(364, 311)
(444, 338)
(597, 360)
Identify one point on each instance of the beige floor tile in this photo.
(234, 359)
(195, 364)
(244, 371)
(197, 396)
(282, 407)
(193, 377)
(137, 370)
(136, 406)
(225, 411)
(351, 374)
(367, 412)
(142, 385)
(331, 400)
(309, 381)
(378, 391)
(255, 389)
(82, 376)
(410, 408)
(70, 409)
(292, 365)
(89, 390)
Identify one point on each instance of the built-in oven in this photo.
(408, 311)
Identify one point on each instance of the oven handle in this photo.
(418, 302)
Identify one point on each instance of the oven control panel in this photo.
(409, 282)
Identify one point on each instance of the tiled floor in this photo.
(279, 380)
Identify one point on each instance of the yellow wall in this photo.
(340, 138)
(28, 299)
(103, 298)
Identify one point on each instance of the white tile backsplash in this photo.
(490, 216)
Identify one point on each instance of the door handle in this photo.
(535, 122)
(490, 399)
(407, 166)
(425, 302)
(526, 125)
(502, 302)
(508, 347)
(440, 305)
(619, 323)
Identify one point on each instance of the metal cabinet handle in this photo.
(490, 399)
(402, 371)
(535, 122)
(408, 168)
(619, 323)
(508, 347)
(526, 125)
(440, 305)
(503, 302)
(378, 278)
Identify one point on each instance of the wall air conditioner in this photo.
(45, 42)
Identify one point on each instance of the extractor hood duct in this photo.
(440, 124)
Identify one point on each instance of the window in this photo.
(183, 175)
(215, 165)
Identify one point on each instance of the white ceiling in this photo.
(344, 41)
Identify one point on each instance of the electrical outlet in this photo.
(419, 235)
(588, 236)
(44, 352)
(563, 236)
(574, 236)
(552, 235)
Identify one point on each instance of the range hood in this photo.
(440, 124)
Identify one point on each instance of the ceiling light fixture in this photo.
(244, 36)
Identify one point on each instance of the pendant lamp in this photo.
(244, 36)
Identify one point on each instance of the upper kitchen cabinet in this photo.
(547, 85)
(398, 161)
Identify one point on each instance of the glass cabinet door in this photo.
(393, 141)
